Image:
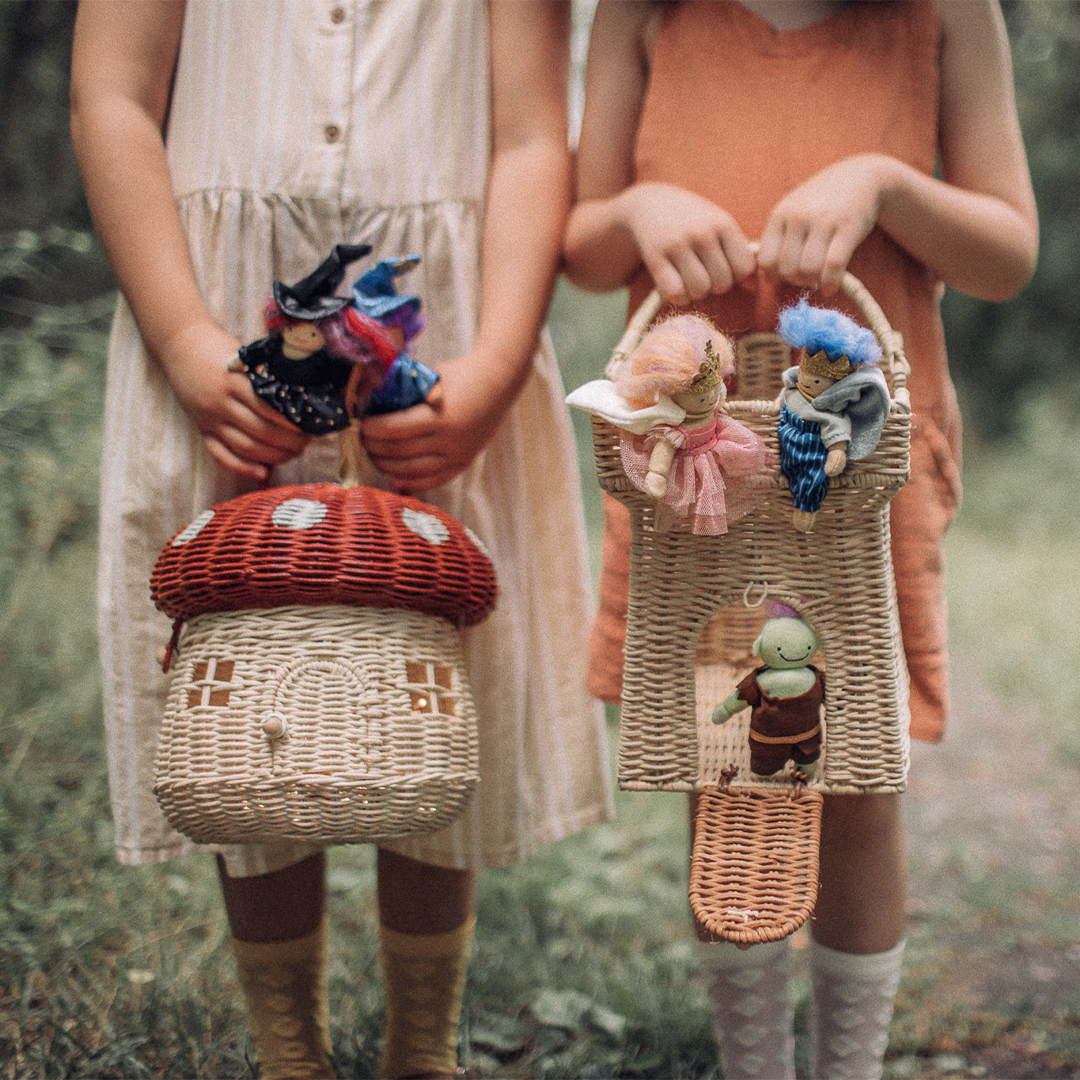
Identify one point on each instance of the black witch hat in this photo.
(313, 297)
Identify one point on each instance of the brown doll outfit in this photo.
(742, 113)
(782, 728)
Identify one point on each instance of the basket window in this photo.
(431, 688)
(211, 683)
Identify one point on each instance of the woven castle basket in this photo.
(696, 605)
(318, 687)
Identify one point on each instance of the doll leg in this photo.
(858, 929)
(426, 916)
(767, 759)
(278, 923)
(802, 461)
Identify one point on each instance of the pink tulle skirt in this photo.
(717, 475)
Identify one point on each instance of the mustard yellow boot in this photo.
(285, 986)
(425, 980)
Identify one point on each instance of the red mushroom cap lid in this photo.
(319, 544)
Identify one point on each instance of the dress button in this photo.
(332, 132)
(337, 15)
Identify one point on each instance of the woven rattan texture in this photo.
(839, 577)
(379, 729)
(754, 867)
(318, 544)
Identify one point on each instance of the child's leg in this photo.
(426, 916)
(750, 1001)
(278, 923)
(753, 1014)
(858, 931)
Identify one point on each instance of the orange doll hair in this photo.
(668, 358)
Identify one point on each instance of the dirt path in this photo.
(993, 816)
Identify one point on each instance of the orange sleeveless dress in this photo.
(741, 114)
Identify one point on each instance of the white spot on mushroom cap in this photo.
(477, 541)
(427, 526)
(298, 513)
(193, 530)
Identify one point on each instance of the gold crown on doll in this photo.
(819, 364)
(709, 374)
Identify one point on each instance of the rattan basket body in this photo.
(695, 609)
(342, 721)
(690, 626)
(377, 730)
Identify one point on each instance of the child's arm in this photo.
(528, 198)
(121, 73)
(976, 229)
(689, 245)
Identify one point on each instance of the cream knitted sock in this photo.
(753, 1015)
(852, 1004)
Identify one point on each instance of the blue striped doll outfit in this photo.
(802, 460)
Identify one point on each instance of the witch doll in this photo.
(320, 362)
(375, 296)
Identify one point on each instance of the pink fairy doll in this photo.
(703, 468)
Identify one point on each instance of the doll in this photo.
(320, 363)
(833, 406)
(703, 468)
(785, 696)
(408, 382)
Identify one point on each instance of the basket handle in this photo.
(891, 341)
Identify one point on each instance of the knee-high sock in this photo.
(284, 983)
(425, 979)
(753, 1014)
(853, 1003)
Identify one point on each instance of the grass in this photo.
(584, 965)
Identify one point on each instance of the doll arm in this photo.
(727, 708)
(836, 459)
(976, 229)
(689, 245)
(528, 198)
(663, 454)
(121, 73)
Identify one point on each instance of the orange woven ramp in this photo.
(754, 868)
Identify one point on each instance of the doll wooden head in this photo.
(831, 345)
(684, 358)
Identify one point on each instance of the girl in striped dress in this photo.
(225, 146)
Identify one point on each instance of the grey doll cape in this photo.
(863, 397)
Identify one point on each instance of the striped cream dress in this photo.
(294, 125)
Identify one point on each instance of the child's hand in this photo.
(242, 433)
(689, 245)
(813, 231)
(428, 445)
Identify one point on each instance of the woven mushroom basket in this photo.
(696, 605)
(318, 689)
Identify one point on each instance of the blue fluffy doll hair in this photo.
(813, 329)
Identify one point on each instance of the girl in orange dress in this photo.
(813, 127)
